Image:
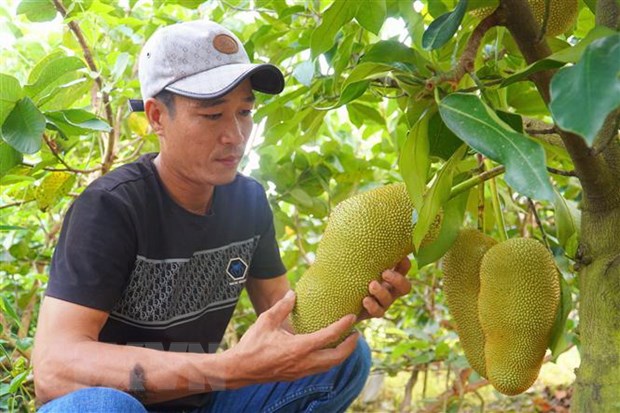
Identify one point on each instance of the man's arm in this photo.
(264, 293)
(67, 356)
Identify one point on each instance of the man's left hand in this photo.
(382, 294)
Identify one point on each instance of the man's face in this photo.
(204, 141)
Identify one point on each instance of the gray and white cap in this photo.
(199, 59)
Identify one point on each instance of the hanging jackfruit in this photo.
(562, 14)
(461, 283)
(365, 235)
(518, 301)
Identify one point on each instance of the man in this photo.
(153, 256)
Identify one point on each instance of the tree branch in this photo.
(52, 145)
(538, 222)
(550, 131)
(105, 97)
(457, 389)
(468, 57)
(560, 172)
(534, 126)
(405, 405)
(16, 203)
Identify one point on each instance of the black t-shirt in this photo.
(170, 279)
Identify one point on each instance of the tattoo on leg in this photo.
(137, 381)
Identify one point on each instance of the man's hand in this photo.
(382, 294)
(268, 352)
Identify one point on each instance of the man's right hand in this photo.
(268, 352)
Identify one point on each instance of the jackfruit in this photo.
(461, 284)
(562, 14)
(517, 305)
(365, 235)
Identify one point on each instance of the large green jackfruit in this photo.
(461, 283)
(518, 301)
(365, 235)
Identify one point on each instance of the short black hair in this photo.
(167, 98)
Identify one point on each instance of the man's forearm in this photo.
(150, 375)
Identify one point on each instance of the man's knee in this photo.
(94, 399)
(362, 357)
(356, 368)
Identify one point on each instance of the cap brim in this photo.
(217, 82)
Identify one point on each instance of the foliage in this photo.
(369, 99)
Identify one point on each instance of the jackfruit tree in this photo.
(502, 115)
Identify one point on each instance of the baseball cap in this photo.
(199, 59)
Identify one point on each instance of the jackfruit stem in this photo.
(497, 210)
(475, 180)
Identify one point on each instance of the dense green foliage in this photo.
(374, 93)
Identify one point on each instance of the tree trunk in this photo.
(597, 388)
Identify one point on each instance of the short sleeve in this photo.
(95, 253)
(266, 261)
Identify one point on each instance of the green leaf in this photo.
(351, 92)
(122, 60)
(437, 8)
(12, 228)
(591, 5)
(414, 161)
(453, 214)
(436, 197)
(566, 219)
(10, 93)
(361, 114)
(65, 95)
(557, 342)
(302, 197)
(339, 13)
(371, 14)
(9, 158)
(343, 54)
(401, 348)
(75, 122)
(53, 70)
(442, 351)
(476, 124)
(358, 81)
(391, 52)
(514, 120)
(526, 100)
(560, 58)
(583, 95)
(7, 308)
(441, 30)
(304, 72)
(24, 127)
(37, 10)
(18, 380)
(365, 71)
(442, 141)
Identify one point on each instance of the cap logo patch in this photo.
(225, 44)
